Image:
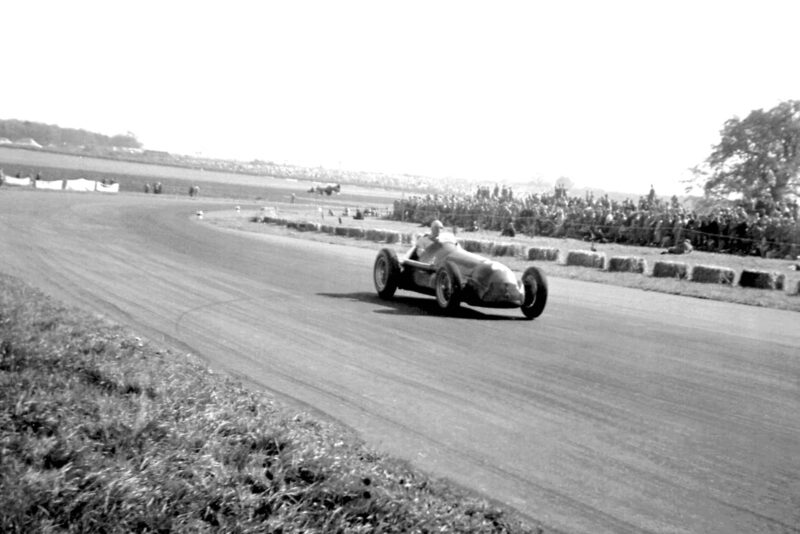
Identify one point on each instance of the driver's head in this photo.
(436, 227)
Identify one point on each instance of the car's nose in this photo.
(503, 288)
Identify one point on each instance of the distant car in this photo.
(327, 189)
(442, 268)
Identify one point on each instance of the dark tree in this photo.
(758, 157)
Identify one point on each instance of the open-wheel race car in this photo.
(437, 265)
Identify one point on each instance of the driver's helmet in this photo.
(436, 227)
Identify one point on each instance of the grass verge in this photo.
(102, 432)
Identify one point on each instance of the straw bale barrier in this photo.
(761, 279)
(670, 269)
(356, 232)
(375, 235)
(306, 226)
(586, 258)
(627, 264)
(503, 249)
(709, 274)
(473, 245)
(392, 237)
(543, 254)
(341, 231)
(291, 224)
(327, 229)
(407, 238)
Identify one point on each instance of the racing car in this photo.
(437, 265)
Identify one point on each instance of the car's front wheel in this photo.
(386, 273)
(535, 284)
(448, 288)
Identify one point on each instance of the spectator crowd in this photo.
(758, 228)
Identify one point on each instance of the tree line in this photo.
(50, 134)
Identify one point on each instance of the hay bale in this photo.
(408, 238)
(341, 231)
(709, 274)
(375, 235)
(586, 258)
(392, 237)
(292, 225)
(306, 226)
(761, 279)
(356, 232)
(543, 254)
(627, 264)
(504, 249)
(670, 269)
(471, 245)
(327, 229)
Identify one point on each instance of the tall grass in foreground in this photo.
(100, 432)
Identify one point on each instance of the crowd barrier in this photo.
(12, 180)
(49, 184)
(78, 184)
(707, 274)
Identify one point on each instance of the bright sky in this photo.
(612, 94)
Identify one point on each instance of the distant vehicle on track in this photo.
(327, 189)
(437, 265)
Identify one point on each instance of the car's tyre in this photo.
(448, 288)
(386, 273)
(535, 284)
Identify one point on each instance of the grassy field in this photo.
(787, 299)
(175, 180)
(102, 432)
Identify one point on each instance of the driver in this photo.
(436, 227)
(425, 241)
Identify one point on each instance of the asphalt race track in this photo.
(616, 411)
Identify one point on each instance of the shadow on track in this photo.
(417, 306)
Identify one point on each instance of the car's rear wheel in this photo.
(386, 273)
(448, 288)
(535, 284)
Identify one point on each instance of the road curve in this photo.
(616, 411)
